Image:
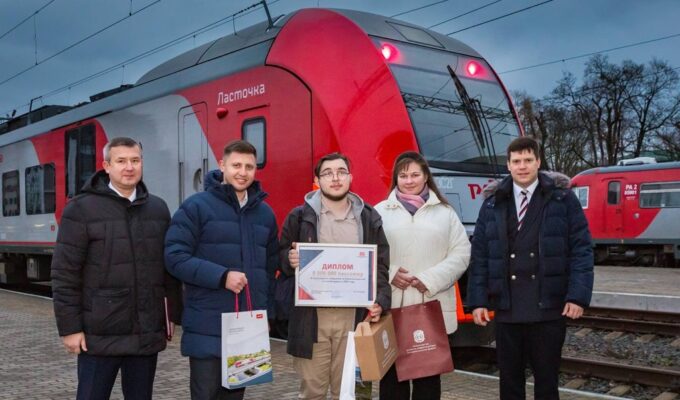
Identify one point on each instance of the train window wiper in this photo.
(478, 122)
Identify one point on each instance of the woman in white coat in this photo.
(429, 251)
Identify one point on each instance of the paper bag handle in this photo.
(401, 304)
(248, 301)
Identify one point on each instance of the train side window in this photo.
(10, 194)
(582, 195)
(254, 131)
(660, 195)
(40, 193)
(80, 158)
(614, 192)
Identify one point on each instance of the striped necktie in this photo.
(522, 209)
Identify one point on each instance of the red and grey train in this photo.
(633, 212)
(303, 85)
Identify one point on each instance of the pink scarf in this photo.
(412, 202)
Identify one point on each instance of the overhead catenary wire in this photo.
(418, 8)
(155, 50)
(543, 64)
(69, 47)
(500, 17)
(464, 14)
(34, 13)
(585, 90)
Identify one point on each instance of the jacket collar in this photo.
(313, 199)
(225, 192)
(549, 183)
(99, 184)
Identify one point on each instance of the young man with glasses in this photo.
(317, 336)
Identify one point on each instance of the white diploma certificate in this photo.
(336, 275)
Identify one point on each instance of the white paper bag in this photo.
(349, 367)
(246, 355)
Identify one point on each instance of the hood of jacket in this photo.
(99, 184)
(548, 181)
(313, 198)
(214, 183)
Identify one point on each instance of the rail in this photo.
(634, 321)
(651, 376)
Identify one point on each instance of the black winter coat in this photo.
(301, 226)
(565, 269)
(108, 275)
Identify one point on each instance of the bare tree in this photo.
(551, 125)
(668, 142)
(602, 104)
(653, 100)
(614, 111)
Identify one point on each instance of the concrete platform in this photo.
(34, 365)
(637, 288)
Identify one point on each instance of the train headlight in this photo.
(388, 51)
(473, 69)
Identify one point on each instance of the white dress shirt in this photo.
(132, 197)
(518, 194)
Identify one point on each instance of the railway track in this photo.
(595, 368)
(659, 323)
(617, 371)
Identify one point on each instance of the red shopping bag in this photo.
(422, 341)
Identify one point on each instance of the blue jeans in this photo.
(97, 374)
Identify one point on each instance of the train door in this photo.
(279, 125)
(267, 106)
(193, 149)
(613, 209)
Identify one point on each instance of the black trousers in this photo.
(540, 345)
(97, 374)
(428, 388)
(205, 381)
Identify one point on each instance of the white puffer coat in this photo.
(432, 245)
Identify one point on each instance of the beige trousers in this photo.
(325, 367)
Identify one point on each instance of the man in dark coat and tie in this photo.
(532, 262)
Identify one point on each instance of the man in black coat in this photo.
(532, 262)
(113, 300)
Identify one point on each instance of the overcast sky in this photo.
(556, 30)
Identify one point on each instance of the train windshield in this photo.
(464, 127)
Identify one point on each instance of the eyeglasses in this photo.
(340, 175)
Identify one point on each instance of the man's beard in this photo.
(333, 197)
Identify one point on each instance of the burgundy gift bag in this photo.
(422, 341)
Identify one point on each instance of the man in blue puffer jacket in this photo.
(219, 241)
(532, 262)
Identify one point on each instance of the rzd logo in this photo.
(476, 189)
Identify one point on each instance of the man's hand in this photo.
(418, 284)
(374, 311)
(573, 311)
(75, 342)
(236, 281)
(402, 279)
(294, 256)
(481, 316)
